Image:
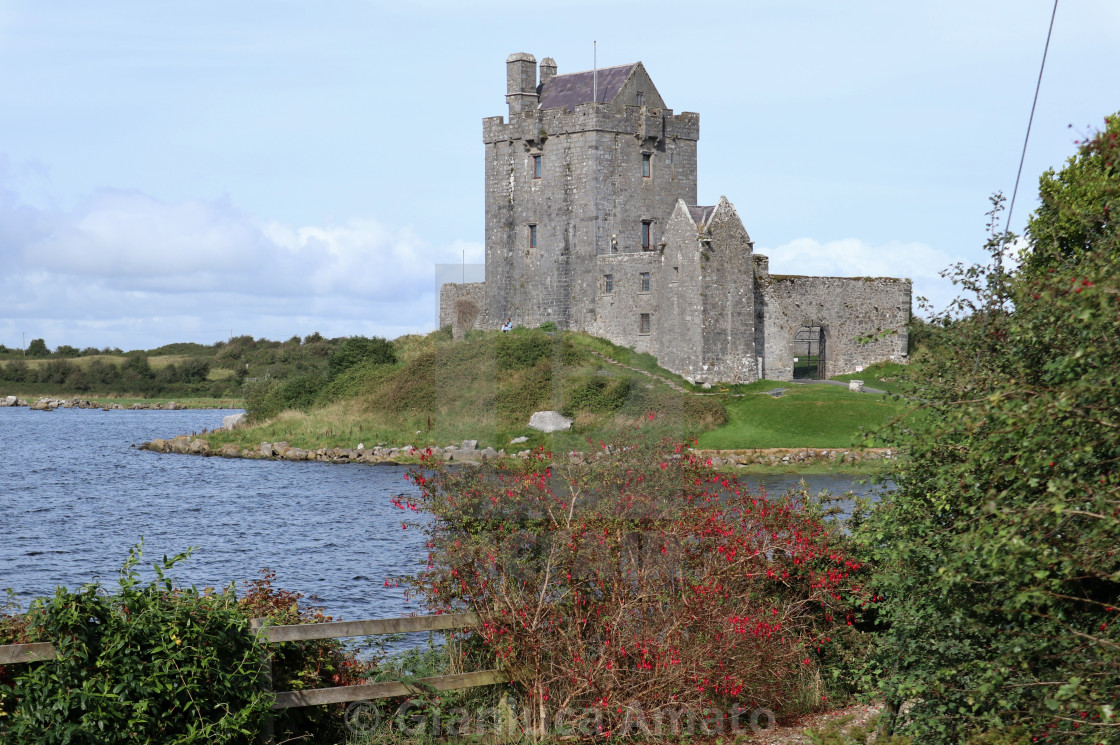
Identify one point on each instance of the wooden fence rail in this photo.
(373, 627)
(12, 654)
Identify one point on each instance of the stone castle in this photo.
(592, 224)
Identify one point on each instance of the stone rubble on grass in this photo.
(855, 386)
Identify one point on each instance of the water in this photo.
(75, 495)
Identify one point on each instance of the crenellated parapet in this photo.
(642, 122)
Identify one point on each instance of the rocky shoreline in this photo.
(468, 452)
(50, 404)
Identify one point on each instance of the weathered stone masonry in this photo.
(591, 223)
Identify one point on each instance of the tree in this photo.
(37, 348)
(360, 349)
(1077, 203)
(997, 554)
(138, 364)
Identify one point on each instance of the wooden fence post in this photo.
(267, 734)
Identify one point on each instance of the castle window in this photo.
(645, 234)
(643, 282)
(608, 284)
(532, 236)
(646, 163)
(638, 98)
(536, 166)
(643, 323)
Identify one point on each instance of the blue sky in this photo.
(178, 172)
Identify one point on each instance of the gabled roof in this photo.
(576, 87)
(700, 214)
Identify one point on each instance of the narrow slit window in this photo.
(532, 236)
(645, 234)
(639, 98)
(643, 323)
(643, 281)
(536, 166)
(608, 284)
(646, 164)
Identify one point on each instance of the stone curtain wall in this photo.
(848, 309)
(474, 292)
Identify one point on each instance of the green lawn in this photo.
(886, 376)
(804, 416)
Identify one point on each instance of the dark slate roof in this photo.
(576, 87)
(701, 215)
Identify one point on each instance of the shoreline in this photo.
(49, 403)
(765, 459)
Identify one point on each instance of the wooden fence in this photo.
(373, 627)
(24, 653)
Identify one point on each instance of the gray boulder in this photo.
(549, 421)
(469, 445)
(518, 440)
(233, 420)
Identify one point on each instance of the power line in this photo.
(1026, 139)
(1018, 176)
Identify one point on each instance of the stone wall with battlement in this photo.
(864, 320)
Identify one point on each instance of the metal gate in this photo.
(808, 353)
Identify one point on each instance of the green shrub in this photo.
(548, 326)
(152, 663)
(524, 392)
(598, 394)
(266, 400)
(298, 666)
(522, 348)
(17, 371)
(358, 381)
(360, 350)
(704, 412)
(996, 555)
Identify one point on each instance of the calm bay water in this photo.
(75, 495)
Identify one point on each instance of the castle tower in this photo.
(589, 164)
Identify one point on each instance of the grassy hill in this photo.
(439, 391)
(316, 392)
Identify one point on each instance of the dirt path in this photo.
(794, 732)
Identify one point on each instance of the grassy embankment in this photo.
(442, 391)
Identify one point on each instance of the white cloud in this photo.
(852, 257)
(125, 269)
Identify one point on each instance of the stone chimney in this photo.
(548, 69)
(521, 83)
